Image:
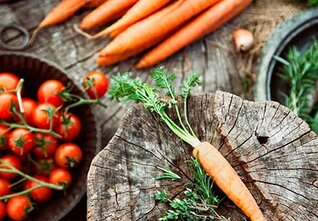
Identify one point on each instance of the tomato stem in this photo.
(83, 101)
(12, 169)
(31, 129)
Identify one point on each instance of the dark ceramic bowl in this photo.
(299, 31)
(35, 71)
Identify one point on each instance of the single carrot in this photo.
(151, 30)
(223, 174)
(105, 13)
(109, 60)
(124, 87)
(207, 22)
(61, 12)
(140, 10)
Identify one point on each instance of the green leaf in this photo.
(167, 174)
(161, 196)
(189, 83)
(162, 77)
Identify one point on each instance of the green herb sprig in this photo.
(158, 97)
(197, 203)
(300, 71)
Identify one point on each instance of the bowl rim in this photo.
(97, 124)
(280, 38)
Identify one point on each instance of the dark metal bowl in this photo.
(298, 31)
(35, 70)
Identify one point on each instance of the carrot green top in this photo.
(158, 97)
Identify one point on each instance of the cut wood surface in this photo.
(273, 151)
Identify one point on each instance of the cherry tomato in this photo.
(7, 102)
(21, 141)
(49, 93)
(44, 166)
(42, 194)
(8, 81)
(41, 117)
(4, 187)
(4, 136)
(45, 145)
(13, 161)
(3, 210)
(29, 106)
(96, 83)
(18, 207)
(68, 155)
(61, 177)
(70, 127)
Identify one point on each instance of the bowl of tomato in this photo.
(55, 144)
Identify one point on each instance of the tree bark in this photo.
(273, 151)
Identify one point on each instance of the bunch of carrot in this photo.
(166, 26)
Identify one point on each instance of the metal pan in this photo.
(298, 31)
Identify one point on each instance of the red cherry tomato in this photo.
(7, 101)
(18, 207)
(41, 117)
(21, 141)
(96, 83)
(8, 81)
(29, 106)
(68, 155)
(44, 166)
(3, 210)
(49, 92)
(61, 177)
(42, 194)
(4, 187)
(13, 161)
(4, 137)
(70, 127)
(45, 145)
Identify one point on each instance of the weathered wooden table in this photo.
(212, 57)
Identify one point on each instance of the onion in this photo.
(243, 40)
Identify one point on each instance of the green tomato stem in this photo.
(82, 101)
(24, 175)
(32, 129)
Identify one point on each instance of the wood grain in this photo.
(273, 151)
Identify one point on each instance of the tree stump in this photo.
(273, 151)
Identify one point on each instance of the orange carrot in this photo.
(211, 160)
(95, 3)
(105, 13)
(223, 174)
(107, 60)
(140, 10)
(151, 30)
(61, 12)
(207, 22)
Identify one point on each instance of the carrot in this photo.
(223, 174)
(111, 59)
(140, 10)
(207, 22)
(61, 12)
(95, 3)
(151, 30)
(107, 60)
(124, 87)
(105, 13)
